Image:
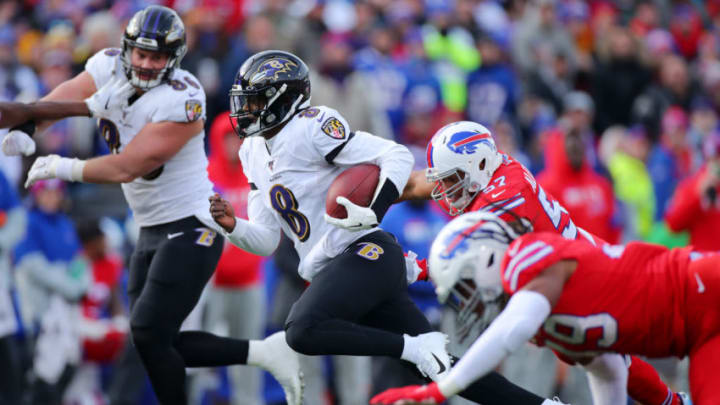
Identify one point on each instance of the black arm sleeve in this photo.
(388, 194)
(494, 389)
(28, 127)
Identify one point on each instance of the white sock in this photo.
(255, 352)
(409, 352)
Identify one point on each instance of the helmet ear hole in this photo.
(482, 164)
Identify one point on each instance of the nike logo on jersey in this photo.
(701, 286)
(442, 366)
(497, 194)
(174, 235)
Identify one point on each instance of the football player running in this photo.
(151, 114)
(590, 304)
(466, 172)
(357, 302)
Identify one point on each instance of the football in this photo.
(357, 184)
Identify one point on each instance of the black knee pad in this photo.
(299, 337)
(149, 338)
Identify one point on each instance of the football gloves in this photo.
(358, 217)
(17, 142)
(55, 167)
(416, 269)
(111, 96)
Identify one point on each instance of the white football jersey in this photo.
(292, 172)
(179, 188)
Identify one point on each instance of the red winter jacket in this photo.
(586, 195)
(689, 211)
(237, 268)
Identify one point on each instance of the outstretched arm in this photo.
(154, 145)
(417, 187)
(13, 114)
(519, 321)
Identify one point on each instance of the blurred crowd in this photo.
(612, 104)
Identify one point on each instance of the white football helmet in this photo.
(465, 152)
(464, 266)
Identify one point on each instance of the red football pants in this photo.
(703, 326)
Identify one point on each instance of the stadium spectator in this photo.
(104, 324)
(695, 206)
(674, 87)
(336, 83)
(569, 175)
(13, 221)
(238, 279)
(669, 159)
(540, 38)
(52, 278)
(492, 88)
(618, 80)
(623, 152)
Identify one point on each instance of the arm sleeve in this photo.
(518, 323)
(607, 375)
(260, 234)
(684, 206)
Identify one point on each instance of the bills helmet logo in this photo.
(466, 142)
(457, 242)
(271, 69)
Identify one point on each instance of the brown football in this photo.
(357, 184)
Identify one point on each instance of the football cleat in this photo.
(284, 364)
(434, 359)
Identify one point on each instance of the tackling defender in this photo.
(151, 114)
(590, 304)
(357, 302)
(466, 172)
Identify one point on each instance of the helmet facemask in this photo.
(464, 265)
(165, 34)
(154, 76)
(459, 195)
(251, 111)
(476, 307)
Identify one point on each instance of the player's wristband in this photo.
(424, 273)
(384, 198)
(28, 127)
(70, 169)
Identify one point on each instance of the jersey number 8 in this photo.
(284, 202)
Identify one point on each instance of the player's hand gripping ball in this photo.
(349, 197)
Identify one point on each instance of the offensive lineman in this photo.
(589, 303)
(357, 302)
(151, 114)
(466, 172)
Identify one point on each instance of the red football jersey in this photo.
(514, 188)
(625, 299)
